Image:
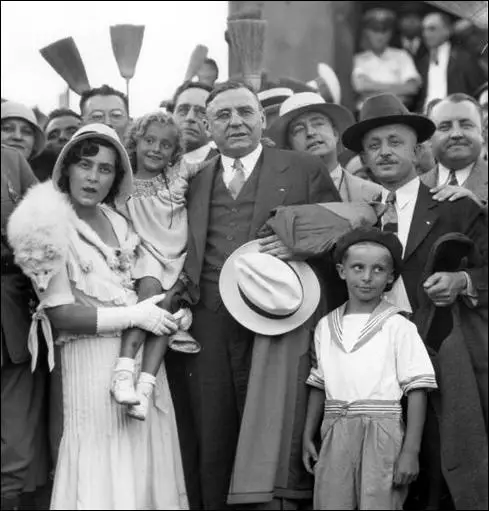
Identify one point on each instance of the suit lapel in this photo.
(198, 206)
(478, 179)
(272, 188)
(424, 219)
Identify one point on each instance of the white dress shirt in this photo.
(198, 155)
(437, 79)
(249, 162)
(337, 176)
(462, 174)
(406, 197)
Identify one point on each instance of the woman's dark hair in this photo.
(90, 147)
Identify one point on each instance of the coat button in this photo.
(230, 238)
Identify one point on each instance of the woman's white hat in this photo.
(265, 294)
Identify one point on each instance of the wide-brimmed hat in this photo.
(274, 97)
(104, 132)
(266, 295)
(382, 110)
(13, 110)
(327, 77)
(301, 103)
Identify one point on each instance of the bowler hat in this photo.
(382, 110)
(301, 103)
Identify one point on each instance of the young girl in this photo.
(368, 356)
(157, 210)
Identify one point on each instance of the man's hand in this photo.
(309, 455)
(453, 193)
(406, 469)
(274, 246)
(443, 288)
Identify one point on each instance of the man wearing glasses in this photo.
(107, 106)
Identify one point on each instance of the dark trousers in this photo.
(218, 380)
(24, 443)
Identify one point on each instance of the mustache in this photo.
(459, 141)
(386, 161)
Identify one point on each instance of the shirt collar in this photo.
(406, 194)
(444, 50)
(462, 174)
(248, 161)
(197, 155)
(336, 173)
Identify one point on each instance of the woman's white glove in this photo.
(184, 319)
(146, 315)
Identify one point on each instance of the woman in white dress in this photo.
(106, 460)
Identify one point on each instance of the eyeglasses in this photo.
(100, 115)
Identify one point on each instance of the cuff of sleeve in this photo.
(424, 381)
(470, 293)
(315, 380)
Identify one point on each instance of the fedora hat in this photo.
(382, 110)
(265, 294)
(301, 103)
(274, 97)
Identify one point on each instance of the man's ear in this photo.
(205, 122)
(362, 158)
(263, 119)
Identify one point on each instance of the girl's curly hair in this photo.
(138, 129)
(90, 147)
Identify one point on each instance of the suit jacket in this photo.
(286, 178)
(431, 220)
(464, 74)
(356, 189)
(16, 289)
(477, 181)
(417, 55)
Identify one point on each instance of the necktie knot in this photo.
(434, 56)
(238, 165)
(391, 198)
(452, 178)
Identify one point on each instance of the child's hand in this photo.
(309, 455)
(406, 469)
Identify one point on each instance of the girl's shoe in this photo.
(144, 390)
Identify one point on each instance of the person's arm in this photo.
(315, 409)
(406, 469)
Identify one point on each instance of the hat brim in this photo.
(353, 136)
(340, 117)
(236, 306)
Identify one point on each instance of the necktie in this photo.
(389, 218)
(238, 179)
(452, 178)
(434, 56)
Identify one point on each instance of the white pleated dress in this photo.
(107, 460)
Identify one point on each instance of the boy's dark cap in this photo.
(379, 20)
(371, 235)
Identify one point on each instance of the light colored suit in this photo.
(477, 181)
(356, 189)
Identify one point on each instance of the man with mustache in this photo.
(387, 136)
(229, 200)
(458, 146)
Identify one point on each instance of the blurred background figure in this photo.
(61, 125)
(382, 68)
(409, 36)
(209, 72)
(327, 84)
(447, 68)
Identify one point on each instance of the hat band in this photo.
(273, 101)
(261, 312)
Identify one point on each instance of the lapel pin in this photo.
(281, 189)
(428, 222)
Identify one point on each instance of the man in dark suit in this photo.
(387, 136)
(228, 202)
(445, 69)
(410, 17)
(458, 147)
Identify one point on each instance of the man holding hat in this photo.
(387, 136)
(228, 202)
(308, 124)
(381, 68)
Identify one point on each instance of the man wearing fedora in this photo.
(228, 202)
(387, 136)
(271, 99)
(310, 125)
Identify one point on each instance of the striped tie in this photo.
(389, 218)
(238, 179)
(452, 178)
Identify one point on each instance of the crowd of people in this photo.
(267, 302)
